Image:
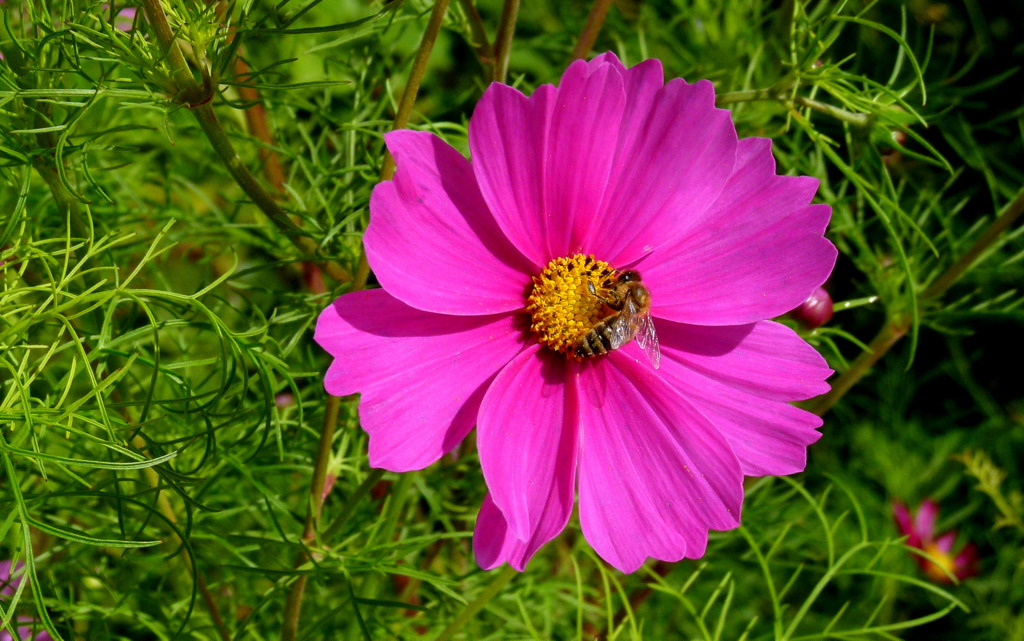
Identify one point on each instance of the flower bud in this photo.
(815, 311)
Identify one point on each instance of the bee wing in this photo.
(647, 338)
(618, 333)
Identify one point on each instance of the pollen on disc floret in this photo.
(562, 307)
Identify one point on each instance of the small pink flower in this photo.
(25, 632)
(920, 533)
(11, 576)
(492, 272)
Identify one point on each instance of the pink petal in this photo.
(655, 474)
(905, 524)
(765, 359)
(9, 585)
(758, 252)
(609, 58)
(528, 439)
(924, 521)
(494, 543)
(25, 631)
(421, 375)
(966, 563)
(432, 242)
(768, 437)
(946, 542)
(543, 162)
(674, 154)
(741, 379)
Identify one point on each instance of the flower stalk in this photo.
(480, 43)
(404, 112)
(479, 603)
(80, 224)
(888, 336)
(781, 93)
(897, 328)
(503, 40)
(198, 98)
(293, 604)
(591, 28)
(1007, 217)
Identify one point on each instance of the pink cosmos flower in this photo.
(493, 271)
(920, 533)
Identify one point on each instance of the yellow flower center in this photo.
(943, 561)
(562, 307)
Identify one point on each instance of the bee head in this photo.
(629, 276)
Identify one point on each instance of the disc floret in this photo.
(562, 306)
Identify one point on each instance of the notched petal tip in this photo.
(655, 474)
(495, 544)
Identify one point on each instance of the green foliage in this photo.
(160, 394)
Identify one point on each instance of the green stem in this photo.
(323, 456)
(391, 516)
(293, 609)
(889, 335)
(350, 506)
(412, 88)
(503, 41)
(851, 117)
(218, 138)
(781, 93)
(66, 203)
(405, 105)
(897, 328)
(187, 90)
(506, 574)
(197, 97)
(481, 45)
(80, 224)
(749, 95)
(1003, 222)
(592, 27)
(293, 602)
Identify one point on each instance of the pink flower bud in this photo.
(815, 311)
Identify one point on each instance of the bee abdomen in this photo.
(592, 344)
(604, 337)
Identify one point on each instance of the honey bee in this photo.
(631, 302)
